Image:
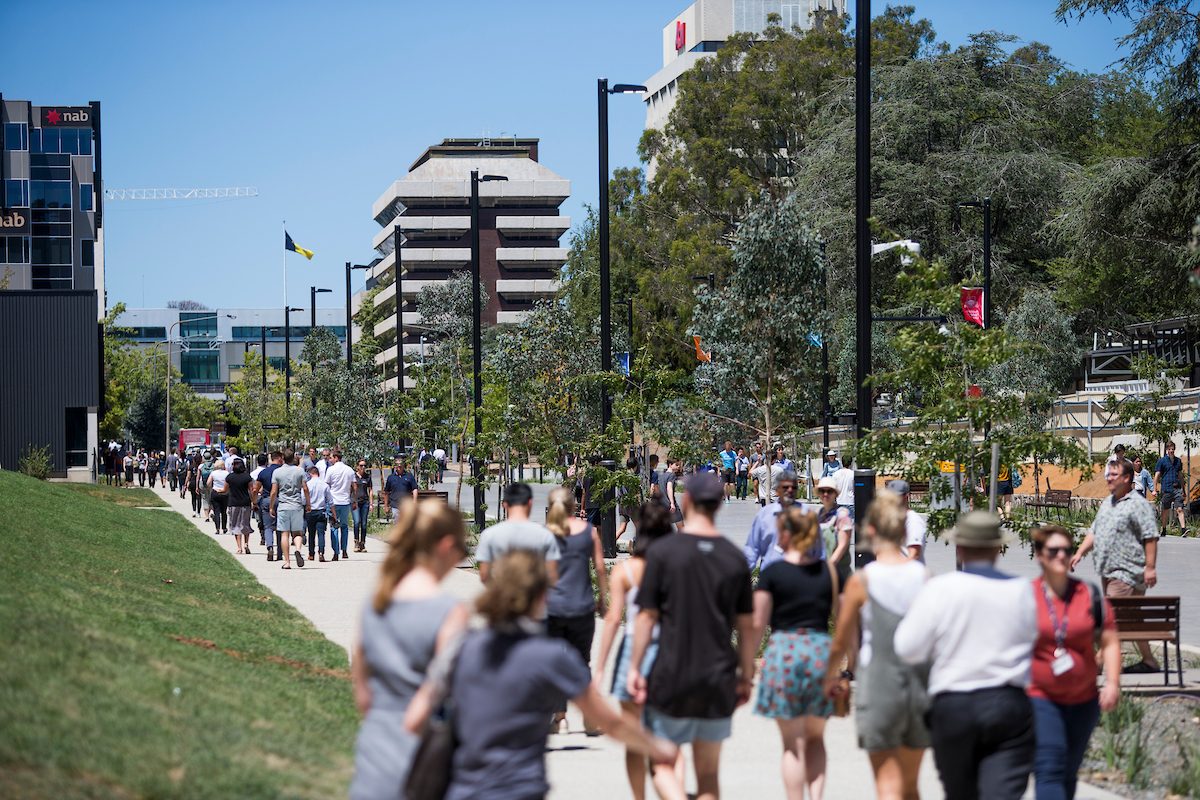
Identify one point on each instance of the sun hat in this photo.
(978, 529)
(831, 452)
(827, 483)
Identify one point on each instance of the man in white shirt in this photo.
(319, 512)
(844, 478)
(976, 630)
(340, 478)
(323, 464)
(914, 524)
(439, 455)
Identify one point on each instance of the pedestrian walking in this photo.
(506, 681)
(340, 477)
(976, 630)
(766, 482)
(837, 529)
(915, 528)
(653, 523)
(219, 496)
(241, 496)
(289, 504)
(274, 545)
(1168, 484)
(143, 462)
(762, 546)
(728, 458)
(194, 485)
(696, 587)
(628, 500)
(127, 463)
(439, 455)
(1073, 618)
(844, 480)
(571, 603)
(590, 501)
(173, 470)
(399, 486)
(1143, 482)
(517, 532)
(796, 594)
(362, 505)
(152, 465)
(741, 474)
(320, 511)
(891, 697)
(666, 487)
(206, 468)
(1125, 538)
(831, 464)
(408, 620)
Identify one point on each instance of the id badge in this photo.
(1062, 664)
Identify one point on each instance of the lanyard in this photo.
(1060, 631)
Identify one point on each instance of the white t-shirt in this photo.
(439, 454)
(340, 478)
(916, 528)
(254, 473)
(218, 479)
(322, 467)
(844, 478)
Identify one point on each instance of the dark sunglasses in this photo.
(1055, 552)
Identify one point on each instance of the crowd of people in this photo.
(997, 675)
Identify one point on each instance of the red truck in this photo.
(193, 438)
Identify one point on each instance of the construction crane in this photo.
(180, 194)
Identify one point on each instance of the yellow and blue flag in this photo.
(288, 244)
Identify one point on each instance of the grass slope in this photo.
(131, 497)
(137, 659)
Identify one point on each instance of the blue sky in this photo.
(321, 105)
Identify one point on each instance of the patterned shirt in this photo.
(1119, 533)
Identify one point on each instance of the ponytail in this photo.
(801, 526)
(559, 511)
(419, 528)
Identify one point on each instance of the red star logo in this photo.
(53, 117)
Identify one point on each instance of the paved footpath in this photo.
(332, 595)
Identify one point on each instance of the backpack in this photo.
(1097, 609)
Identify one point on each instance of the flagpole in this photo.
(285, 294)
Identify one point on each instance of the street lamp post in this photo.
(862, 212)
(986, 205)
(476, 337)
(349, 321)
(287, 357)
(312, 326)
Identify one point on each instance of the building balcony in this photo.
(548, 258)
(418, 258)
(412, 319)
(525, 288)
(548, 227)
(456, 193)
(510, 317)
(429, 227)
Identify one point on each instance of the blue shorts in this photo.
(620, 685)
(685, 730)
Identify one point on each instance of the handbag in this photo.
(432, 764)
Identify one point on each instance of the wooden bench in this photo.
(1151, 619)
(433, 494)
(1053, 498)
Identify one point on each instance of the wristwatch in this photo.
(847, 674)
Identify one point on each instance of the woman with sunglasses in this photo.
(1073, 618)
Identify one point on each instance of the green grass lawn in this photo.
(131, 497)
(137, 659)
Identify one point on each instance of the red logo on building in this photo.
(680, 34)
(53, 117)
(67, 117)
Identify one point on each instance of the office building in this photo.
(51, 283)
(209, 347)
(520, 227)
(703, 27)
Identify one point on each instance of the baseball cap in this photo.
(704, 487)
(899, 486)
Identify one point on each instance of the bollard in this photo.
(864, 495)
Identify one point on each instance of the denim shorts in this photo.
(620, 685)
(289, 520)
(685, 730)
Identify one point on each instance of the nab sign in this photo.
(70, 117)
(680, 35)
(13, 221)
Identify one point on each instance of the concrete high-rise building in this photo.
(520, 256)
(703, 27)
(51, 283)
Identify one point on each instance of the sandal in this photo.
(1140, 668)
(286, 566)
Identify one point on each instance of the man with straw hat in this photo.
(975, 629)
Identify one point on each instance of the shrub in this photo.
(36, 462)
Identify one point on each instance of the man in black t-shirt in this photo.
(696, 587)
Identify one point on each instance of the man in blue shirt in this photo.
(728, 468)
(782, 460)
(1169, 471)
(400, 484)
(761, 548)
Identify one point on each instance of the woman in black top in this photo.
(238, 485)
(797, 595)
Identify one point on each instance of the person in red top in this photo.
(1066, 703)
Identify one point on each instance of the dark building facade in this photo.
(51, 391)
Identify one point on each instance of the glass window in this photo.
(35, 140)
(14, 249)
(51, 142)
(85, 197)
(49, 229)
(50, 194)
(87, 253)
(16, 193)
(275, 362)
(16, 136)
(197, 324)
(51, 251)
(85, 141)
(200, 366)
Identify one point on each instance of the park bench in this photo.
(1151, 619)
(1053, 498)
(433, 494)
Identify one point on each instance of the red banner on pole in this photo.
(972, 305)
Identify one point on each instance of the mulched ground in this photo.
(1170, 734)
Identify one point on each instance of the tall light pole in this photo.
(608, 522)
(986, 205)
(349, 321)
(312, 326)
(476, 337)
(862, 212)
(287, 357)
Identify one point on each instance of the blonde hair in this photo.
(559, 510)
(421, 525)
(801, 526)
(219, 464)
(518, 580)
(887, 517)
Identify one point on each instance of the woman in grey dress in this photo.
(403, 626)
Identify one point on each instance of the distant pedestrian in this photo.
(127, 463)
(1073, 617)
(506, 681)
(837, 529)
(652, 478)
(741, 474)
(219, 496)
(173, 470)
(591, 501)
(320, 511)
(796, 595)
(696, 586)
(194, 486)
(240, 496)
(362, 505)
(407, 621)
(891, 696)
(571, 603)
(517, 532)
(143, 462)
(844, 479)
(340, 477)
(289, 504)
(439, 455)
(976, 630)
(628, 500)
(399, 486)
(766, 482)
(1143, 483)
(256, 490)
(152, 465)
(782, 460)
(653, 523)
(831, 464)
(728, 458)
(275, 545)
(1125, 537)
(206, 468)
(1169, 485)
(666, 487)
(915, 526)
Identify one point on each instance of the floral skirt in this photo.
(793, 674)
